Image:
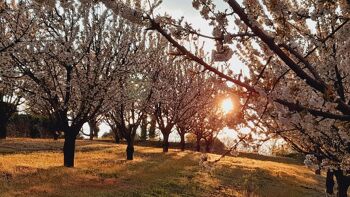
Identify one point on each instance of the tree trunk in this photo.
(207, 147)
(165, 142)
(198, 144)
(69, 148)
(117, 135)
(143, 136)
(55, 135)
(91, 137)
(116, 138)
(343, 183)
(183, 143)
(3, 131)
(130, 150)
(6, 111)
(93, 129)
(152, 128)
(329, 182)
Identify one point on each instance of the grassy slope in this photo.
(33, 168)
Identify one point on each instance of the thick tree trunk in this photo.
(165, 143)
(343, 190)
(6, 111)
(183, 143)
(343, 183)
(329, 182)
(69, 148)
(3, 131)
(198, 144)
(130, 150)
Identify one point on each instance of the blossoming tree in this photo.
(136, 89)
(75, 55)
(298, 57)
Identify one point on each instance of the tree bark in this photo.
(329, 182)
(117, 135)
(198, 144)
(183, 143)
(69, 148)
(343, 183)
(130, 150)
(6, 111)
(3, 130)
(144, 129)
(91, 137)
(152, 128)
(165, 142)
(93, 129)
(207, 147)
(116, 138)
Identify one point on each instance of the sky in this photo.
(179, 8)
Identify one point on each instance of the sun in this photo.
(227, 105)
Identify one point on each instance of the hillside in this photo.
(34, 168)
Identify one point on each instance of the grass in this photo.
(34, 168)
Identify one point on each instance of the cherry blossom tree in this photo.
(181, 92)
(298, 57)
(201, 116)
(94, 128)
(15, 25)
(297, 53)
(72, 62)
(114, 130)
(131, 104)
(214, 123)
(206, 124)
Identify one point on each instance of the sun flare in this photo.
(227, 105)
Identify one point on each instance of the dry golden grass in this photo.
(33, 168)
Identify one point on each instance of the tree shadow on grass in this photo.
(261, 182)
(153, 173)
(157, 173)
(277, 159)
(10, 147)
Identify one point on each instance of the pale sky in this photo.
(179, 8)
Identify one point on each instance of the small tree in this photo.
(135, 95)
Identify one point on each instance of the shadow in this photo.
(115, 177)
(277, 159)
(261, 182)
(153, 173)
(190, 147)
(31, 146)
(158, 144)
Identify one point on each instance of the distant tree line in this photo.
(26, 125)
